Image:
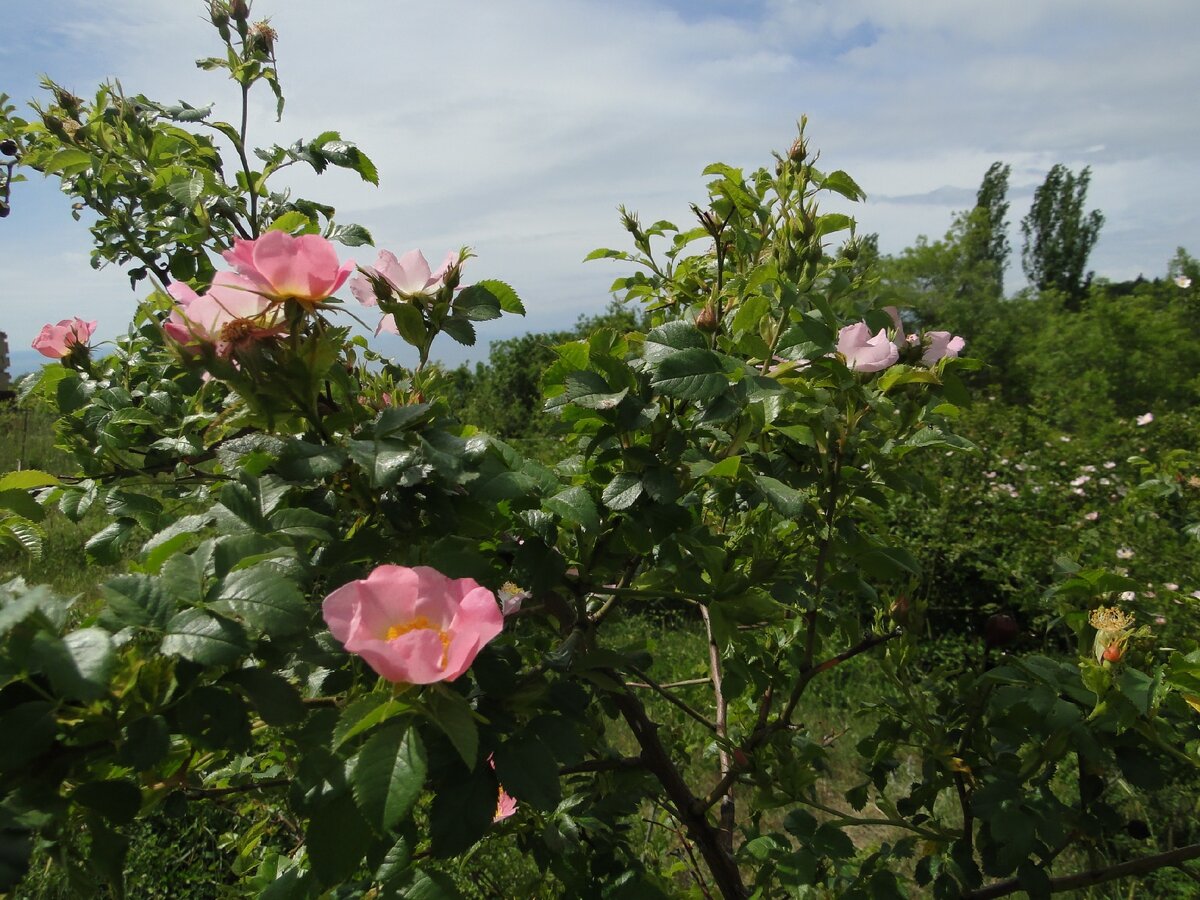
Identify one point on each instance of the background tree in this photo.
(1058, 235)
(986, 236)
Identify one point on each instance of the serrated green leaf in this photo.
(79, 664)
(575, 507)
(622, 492)
(205, 639)
(451, 713)
(265, 599)
(787, 501)
(27, 479)
(527, 770)
(692, 374)
(389, 775)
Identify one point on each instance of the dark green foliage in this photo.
(986, 241)
(1059, 235)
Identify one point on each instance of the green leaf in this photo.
(350, 235)
(451, 712)
(336, 839)
(589, 390)
(432, 886)
(576, 507)
(693, 374)
(118, 800)
(389, 775)
(276, 699)
(504, 294)
(205, 639)
(787, 501)
(27, 479)
(138, 600)
(265, 599)
(665, 340)
(105, 545)
(622, 492)
(843, 184)
(528, 770)
(364, 714)
(293, 222)
(187, 190)
(462, 811)
(81, 664)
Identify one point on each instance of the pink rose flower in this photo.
(506, 803)
(57, 341)
(408, 275)
(1145, 418)
(282, 267)
(413, 626)
(230, 314)
(865, 352)
(941, 345)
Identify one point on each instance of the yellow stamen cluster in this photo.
(1110, 618)
(423, 624)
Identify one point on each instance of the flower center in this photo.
(238, 331)
(420, 623)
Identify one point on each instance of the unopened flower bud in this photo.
(740, 759)
(799, 150)
(999, 630)
(5, 209)
(218, 13)
(8, 147)
(707, 320)
(239, 9)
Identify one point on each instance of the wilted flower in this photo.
(1113, 626)
(506, 804)
(865, 352)
(511, 598)
(413, 625)
(283, 267)
(57, 341)
(230, 314)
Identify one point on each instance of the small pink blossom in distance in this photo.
(1066, 438)
(57, 341)
(1145, 418)
(1124, 553)
(865, 352)
(283, 267)
(506, 803)
(1171, 586)
(413, 625)
(1183, 281)
(1110, 465)
(1091, 516)
(942, 345)
(1081, 480)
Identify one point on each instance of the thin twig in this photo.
(1094, 876)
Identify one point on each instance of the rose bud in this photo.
(999, 630)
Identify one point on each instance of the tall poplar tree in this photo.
(1059, 236)
(985, 244)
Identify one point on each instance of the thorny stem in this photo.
(687, 807)
(728, 810)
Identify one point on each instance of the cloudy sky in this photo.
(518, 126)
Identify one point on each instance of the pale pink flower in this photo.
(1081, 480)
(1091, 516)
(1110, 465)
(1066, 438)
(408, 276)
(1124, 553)
(1171, 586)
(413, 625)
(57, 341)
(1145, 419)
(1128, 596)
(231, 313)
(865, 352)
(942, 344)
(1183, 281)
(283, 267)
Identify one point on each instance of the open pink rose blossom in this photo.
(941, 344)
(866, 352)
(283, 267)
(57, 341)
(413, 625)
(231, 313)
(408, 276)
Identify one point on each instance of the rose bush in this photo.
(257, 472)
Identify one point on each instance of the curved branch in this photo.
(1094, 876)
